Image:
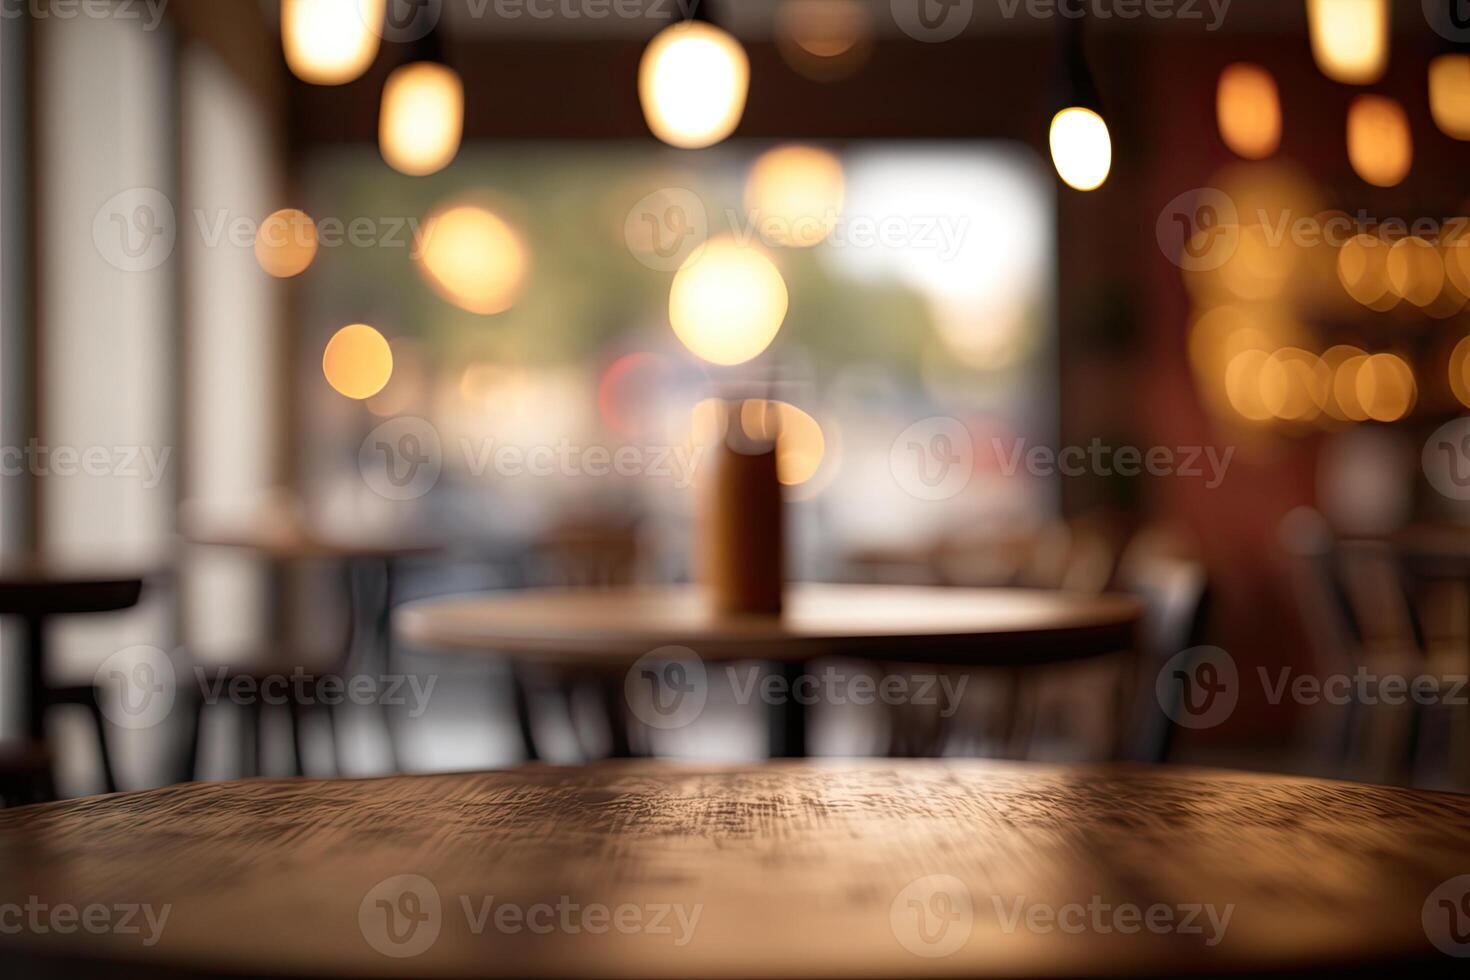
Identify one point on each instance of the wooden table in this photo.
(609, 630)
(969, 627)
(369, 564)
(792, 869)
(34, 591)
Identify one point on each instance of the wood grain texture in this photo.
(793, 869)
(971, 627)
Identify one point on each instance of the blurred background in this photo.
(452, 283)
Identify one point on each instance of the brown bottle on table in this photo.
(740, 533)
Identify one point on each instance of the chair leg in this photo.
(298, 737)
(249, 759)
(615, 705)
(522, 695)
(109, 777)
(191, 759)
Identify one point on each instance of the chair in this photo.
(1160, 567)
(579, 555)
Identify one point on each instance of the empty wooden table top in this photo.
(973, 627)
(858, 869)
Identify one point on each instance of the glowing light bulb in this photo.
(422, 119)
(693, 81)
(1349, 39)
(1380, 146)
(1449, 94)
(286, 243)
(1248, 108)
(795, 195)
(331, 42)
(728, 302)
(358, 361)
(1081, 148)
(474, 259)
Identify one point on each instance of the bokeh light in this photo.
(286, 243)
(693, 81)
(358, 361)
(1449, 94)
(1385, 387)
(474, 259)
(794, 195)
(330, 42)
(824, 40)
(629, 391)
(1380, 146)
(1362, 268)
(1341, 401)
(1294, 384)
(422, 118)
(728, 303)
(1415, 271)
(1349, 39)
(1081, 148)
(1243, 385)
(1248, 108)
(800, 445)
(1460, 371)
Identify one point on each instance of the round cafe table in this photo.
(862, 869)
(608, 630)
(34, 591)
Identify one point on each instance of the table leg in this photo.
(34, 628)
(788, 720)
(615, 704)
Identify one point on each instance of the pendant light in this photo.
(422, 118)
(1349, 39)
(330, 42)
(693, 81)
(1081, 146)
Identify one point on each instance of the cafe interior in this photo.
(734, 488)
